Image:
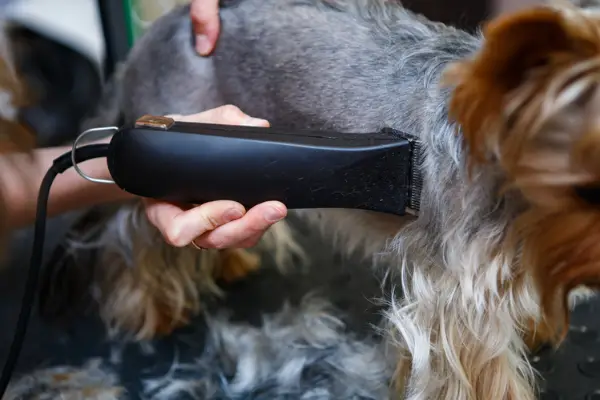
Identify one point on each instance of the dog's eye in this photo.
(590, 194)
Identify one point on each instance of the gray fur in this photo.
(297, 353)
(348, 65)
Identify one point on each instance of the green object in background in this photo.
(131, 34)
(139, 15)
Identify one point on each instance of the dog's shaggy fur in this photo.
(90, 381)
(145, 288)
(535, 118)
(481, 273)
(299, 352)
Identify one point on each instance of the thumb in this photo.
(224, 115)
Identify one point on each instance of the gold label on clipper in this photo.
(152, 121)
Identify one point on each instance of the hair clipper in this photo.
(183, 162)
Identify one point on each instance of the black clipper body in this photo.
(194, 163)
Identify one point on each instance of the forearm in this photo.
(21, 176)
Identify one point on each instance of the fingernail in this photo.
(232, 214)
(274, 214)
(202, 44)
(255, 122)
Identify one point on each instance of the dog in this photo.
(504, 242)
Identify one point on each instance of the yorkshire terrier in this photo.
(504, 241)
(526, 107)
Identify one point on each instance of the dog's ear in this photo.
(515, 47)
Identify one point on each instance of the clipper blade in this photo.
(415, 177)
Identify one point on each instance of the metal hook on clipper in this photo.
(74, 148)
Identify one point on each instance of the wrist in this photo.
(22, 174)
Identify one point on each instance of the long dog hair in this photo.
(481, 274)
(527, 104)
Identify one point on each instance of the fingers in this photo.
(218, 224)
(224, 115)
(179, 227)
(246, 231)
(206, 24)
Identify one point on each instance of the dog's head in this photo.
(529, 102)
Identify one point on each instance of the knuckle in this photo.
(231, 112)
(197, 7)
(173, 237)
(209, 221)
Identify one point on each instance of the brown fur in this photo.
(155, 298)
(237, 265)
(14, 137)
(157, 288)
(511, 102)
(538, 334)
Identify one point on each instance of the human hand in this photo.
(218, 224)
(206, 24)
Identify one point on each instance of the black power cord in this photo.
(60, 165)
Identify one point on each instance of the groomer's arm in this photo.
(218, 224)
(21, 176)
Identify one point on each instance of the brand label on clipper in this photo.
(152, 121)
